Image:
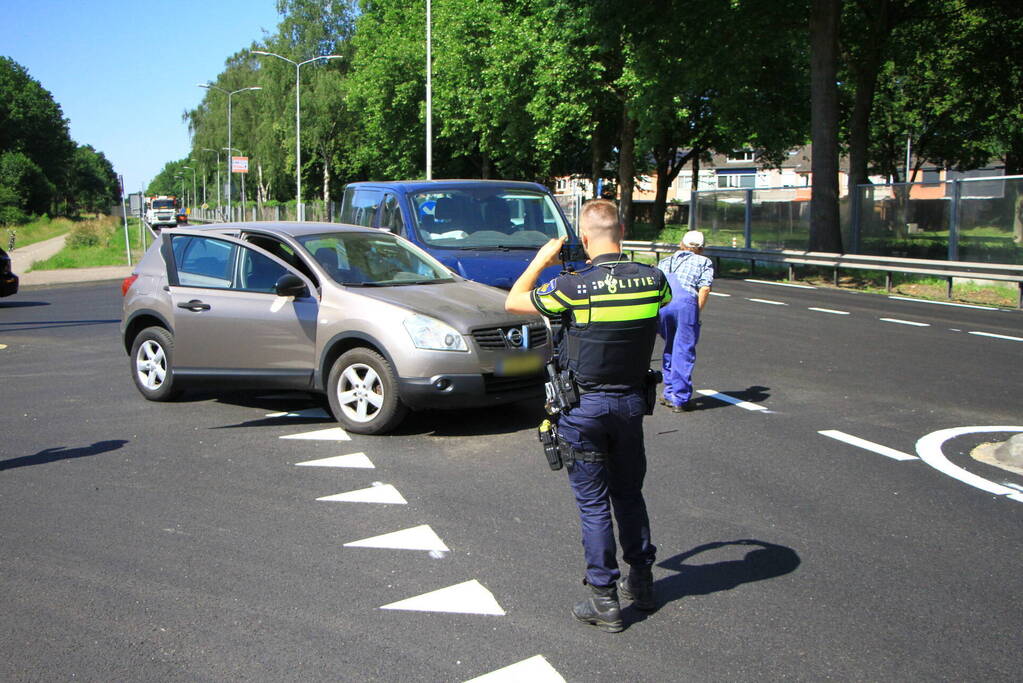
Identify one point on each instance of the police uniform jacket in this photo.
(608, 312)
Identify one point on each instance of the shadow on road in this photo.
(763, 561)
(754, 394)
(62, 453)
(488, 421)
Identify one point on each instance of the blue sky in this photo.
(124, 72)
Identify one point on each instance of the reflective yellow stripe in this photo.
(581, 316)
(625, 296)
(609, 314)
(549, 304)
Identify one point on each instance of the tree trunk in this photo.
(825, 233)
(865, 79)
(627, 170)
(1014, 166)
(669, 165)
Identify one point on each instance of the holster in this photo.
(653, 378)
(561, 390)
(548, 434)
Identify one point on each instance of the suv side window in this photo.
(203, 261)
(257, 273)
(390, 214)
(359, 206)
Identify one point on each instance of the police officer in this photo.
(609, 316)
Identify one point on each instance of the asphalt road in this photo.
(180, 541)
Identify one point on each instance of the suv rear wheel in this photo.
(152, 355)
(363, 393)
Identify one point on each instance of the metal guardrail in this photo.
(888, 264)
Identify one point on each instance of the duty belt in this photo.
(568, 453)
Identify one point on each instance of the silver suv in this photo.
(359, 314)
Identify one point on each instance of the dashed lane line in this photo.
(827, 310)
(377, 493)
(997, 336)
(421, 537)
(719, 294)
(330, 434)
(710, 393)
(535, 670)
(463, 598)
(354, 460)
(866, 445)
(768, 301)
(904, 322)
(943, 303)
(780, 284)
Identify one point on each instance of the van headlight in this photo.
(430, 333)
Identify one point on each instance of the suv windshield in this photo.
(373, 259)
(486, 218)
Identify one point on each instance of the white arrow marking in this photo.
(351, 460)
(535, 670)
(929, 450)
(378, 493)
(417, 538)
(331, 434)
(463, 598)
(710, 393)
(868, 445)
(307, 413)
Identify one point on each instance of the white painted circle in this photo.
(929, 450)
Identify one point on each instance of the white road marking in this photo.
(378, 493)
(997, 336)
(307, 413)
(929, 450)
(905, 322)
(780, 284)
(827, 310)
(331, 434)
(4, 346)
(359, 460)
(710, 393)
(535, 670)
(767, 301)
(943, 303)
(719, 294)
(868, 445)
(416, 538)
(463, 598)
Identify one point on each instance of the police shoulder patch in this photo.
(548, 288)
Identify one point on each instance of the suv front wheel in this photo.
(363, 393)
(152, 355)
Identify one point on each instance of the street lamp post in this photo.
(192, 169)
(299, 207)
(181, 177)
(210, 86)
(217, 152)
(429, 93)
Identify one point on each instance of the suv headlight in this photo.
(430, 333)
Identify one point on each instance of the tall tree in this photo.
(825, 231)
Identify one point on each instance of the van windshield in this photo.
(373, 260)
(486, 218)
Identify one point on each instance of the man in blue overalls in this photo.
(690, 275)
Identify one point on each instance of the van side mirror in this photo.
(290, 284)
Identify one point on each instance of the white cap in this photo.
(693, 238)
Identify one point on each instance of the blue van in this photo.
(484, 230)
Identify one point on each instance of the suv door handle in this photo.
(194, 305)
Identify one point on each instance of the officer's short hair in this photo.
(599, 218)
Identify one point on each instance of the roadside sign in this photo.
(239, 164)
(135, 201)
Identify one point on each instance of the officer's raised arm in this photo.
(519, 299)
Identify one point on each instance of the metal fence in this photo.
(315, 211)
(964, 219)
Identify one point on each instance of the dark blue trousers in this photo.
(612, 424)
(679, 325)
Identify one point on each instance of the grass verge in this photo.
(35, 231)
(96, 242)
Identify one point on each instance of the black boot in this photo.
(639, 588)
(601, 609)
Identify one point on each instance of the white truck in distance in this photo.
(161, 211)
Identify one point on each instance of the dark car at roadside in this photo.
(8, 280)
